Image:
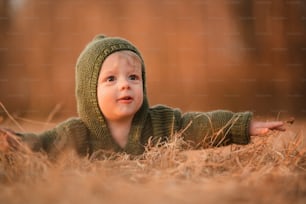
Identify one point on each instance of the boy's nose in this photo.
(124, 84)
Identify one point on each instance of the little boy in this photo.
(114, 112)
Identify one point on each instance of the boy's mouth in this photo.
(125, 99)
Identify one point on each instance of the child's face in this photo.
(120, 90)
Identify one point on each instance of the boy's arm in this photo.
(216, 128)
(71, 133)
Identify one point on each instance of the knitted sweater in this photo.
(89, 132)
(208, 129)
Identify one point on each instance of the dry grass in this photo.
(270, 169)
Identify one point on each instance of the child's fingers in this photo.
(273, 124)
(8, 140)
(259, 131)
(4, 145)
(279, 128)
(262, 131)
(279, 124)
(261, 128)
(13, 142)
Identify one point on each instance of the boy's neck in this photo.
(120, 131)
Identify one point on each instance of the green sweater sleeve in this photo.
(216, 128)
(68, 134)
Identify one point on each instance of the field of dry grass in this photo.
(269, 170)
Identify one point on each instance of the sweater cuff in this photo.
(240, 128)
(31, 140)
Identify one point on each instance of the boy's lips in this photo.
(125, 99)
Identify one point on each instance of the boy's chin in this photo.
(123, 117)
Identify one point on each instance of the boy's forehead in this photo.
(125, 54)
(113, 59)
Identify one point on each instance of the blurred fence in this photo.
(199, 54)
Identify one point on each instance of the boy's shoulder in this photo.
(163, 108)
(74, 121)
(73, 124)
(163, 112)
(164, 120)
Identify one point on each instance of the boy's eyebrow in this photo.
(134, 71)
(107, 72)
(134, 67)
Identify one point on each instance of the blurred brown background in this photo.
(200, 55)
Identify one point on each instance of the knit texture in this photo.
(89, 132)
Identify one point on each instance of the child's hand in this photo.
(8, 140)
(261, 128)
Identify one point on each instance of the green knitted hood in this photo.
(87, 72)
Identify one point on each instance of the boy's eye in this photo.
(133, 77)
(110, 78)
